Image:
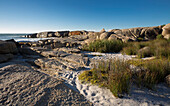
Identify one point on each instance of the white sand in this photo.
(103, 97)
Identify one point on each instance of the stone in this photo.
(166, 31)
(62, 33)
(103, 30)
(5, 57)
(70, 50)
(145, 52)
(12, 40)
(113, 37)
(27, 51)
(54, 53)
(105, 35)
(75, 33)
(88, 41)
(8, 47)
(167, 80)
(79, 37)
(31, 35)
(44, 34)
(78, 59)
(147, 33)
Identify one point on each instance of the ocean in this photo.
(18, 37)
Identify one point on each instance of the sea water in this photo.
(19, 37)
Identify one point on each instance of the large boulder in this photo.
(147, 33)
(5, 57)
(113, 37)
(44, 34)
(103, 30)
(61, 33)
(31, 35)
(76, 33)
(166, 31)
(8, 47)
(105, 35)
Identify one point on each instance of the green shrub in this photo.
(159, 48)
(159, 36)
(132, 48)
(154, 72)
(104, 46)
(115, 75)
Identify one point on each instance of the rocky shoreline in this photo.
(45, 72)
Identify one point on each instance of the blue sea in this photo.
(18, 37)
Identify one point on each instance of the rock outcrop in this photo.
(7, 49)
(103, 30)
(146, 33)
(62, 34)
(166, 31)
(76, 33)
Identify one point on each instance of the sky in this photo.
(30, 16)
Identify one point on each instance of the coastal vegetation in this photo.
(104, 46)
(118, 75)
(159, 47)
(113, 74)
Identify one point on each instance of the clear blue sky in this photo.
(18, 16)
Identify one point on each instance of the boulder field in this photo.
(131, 34)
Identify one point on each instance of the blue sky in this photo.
(27, 16)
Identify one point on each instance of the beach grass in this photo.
(113, 74)
(104, 46)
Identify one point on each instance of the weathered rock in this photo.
(167, 80)
(145, 52)
(79, 37)
(62, 33)
(113, 37)
(88, 41)
(49, 63)
(147, 33)
(105, 35)
(94, 35)
(22, 85)
(44, 34)
(12, 40)
(166, 31)
(31, 35)
(8, 47)
(75, 33)
(57, 63)
(5, 57)
(27, 51)
(54, 54)
(70, 50)
(103, 30)
(78, 59)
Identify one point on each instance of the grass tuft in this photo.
(113, 74)
(104, 46)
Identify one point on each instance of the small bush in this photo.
(104, 46)
(159, 36)
(159, 48)
(132, 48)
(154, 72)
(115, 75)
